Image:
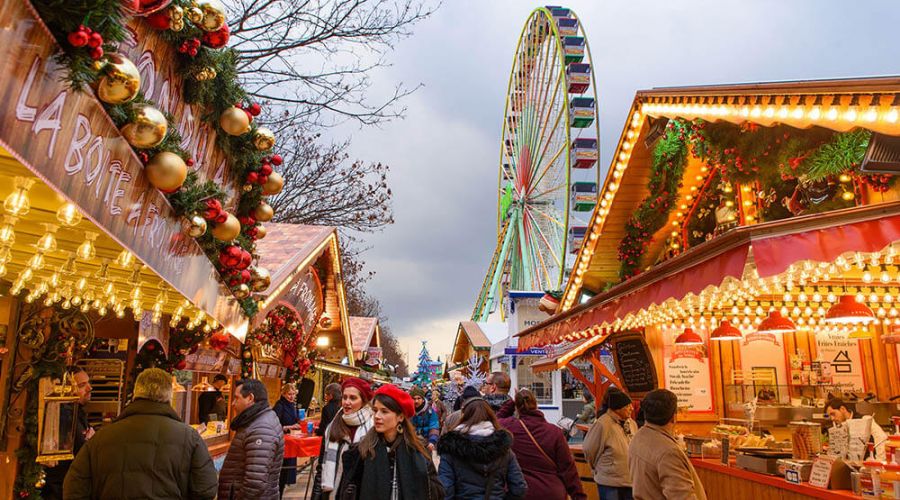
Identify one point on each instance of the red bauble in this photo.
(265, 169)
(96, 53)
(263, 179)
(252, 178)
(277, 160)
(217, 39)
(231, 256)
(249, 115)
(254, 109)
(213, 209)
(247, 220)
(78, 39)
(246, 259)
(246, 276)
(221, 217)
(159, 21)
(95, 40)
(181, 365)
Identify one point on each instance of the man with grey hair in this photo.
(146, 453)
(332, 407)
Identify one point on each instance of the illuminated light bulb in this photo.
(81, 284)
(847, 195)
(109, 289)
(885, 277)
(48, 302)
(891, 116)
(66, 304)
(832, 114)
(86, 250)
(47, 242)
(76, 301)
(769, 112)
(787, 297)
(860, 297)
(7, 233)
(797, 114)
(815, 113)
(36, 261)
(817, 297)
(68, 215)
(85, 307)
(783, 112)
(873, 297)
(784, 311)
(892, 311)
(850, 115)
(135, 294)
(831, 297)
(729, 203)
(125, 258)
(17, 203)
(888, 298)
(689, 197)
(120, 313)
(802, 297)
(25, 275)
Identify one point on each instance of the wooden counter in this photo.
(584, 472)
(732, 483)
(218, 445)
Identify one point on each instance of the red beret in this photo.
(365, 390)
(401, 397)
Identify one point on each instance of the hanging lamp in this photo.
(776, 323)
(726, 331)
(847, 311)
(689, 337)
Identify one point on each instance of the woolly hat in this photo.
(402, 398)
(365, 390)
(417, 391)
(617, 399)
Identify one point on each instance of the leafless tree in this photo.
(322, 187)
(314, 58)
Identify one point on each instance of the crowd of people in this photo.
(379, 444)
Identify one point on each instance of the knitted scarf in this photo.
(331, 461)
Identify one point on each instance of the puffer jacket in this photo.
(146, 453)
(468, 461)
(253, 464)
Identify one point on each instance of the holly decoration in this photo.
(283, 328)
(85, 37)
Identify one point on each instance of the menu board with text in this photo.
(688, 375)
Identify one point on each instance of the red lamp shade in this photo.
(689, 337)
(848, 311)
(776, 323)
(726, 331)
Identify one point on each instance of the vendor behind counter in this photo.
(851, 434)
(213, 402)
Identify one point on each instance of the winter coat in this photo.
(606, 450)
(253, 463)
(416, 477)
(496, 400)
(287, 415)
(331, 409)
(468, 462)
(146, 453)
(546, 481)
(427, 424)
(659, 468)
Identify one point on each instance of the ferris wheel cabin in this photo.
(578, 76)
(574, 48)
(583, 196)
(558, 12)
(581, 109)
(576, 238)
(567, 26)
(584, 152)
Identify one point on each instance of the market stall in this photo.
(743, 256)
(134, 180)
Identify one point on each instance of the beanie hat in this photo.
(617, 399)
(365, 390)
(401, 397)
(417, 391)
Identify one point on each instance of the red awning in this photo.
(776, 246)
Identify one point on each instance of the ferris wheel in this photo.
(549, 148)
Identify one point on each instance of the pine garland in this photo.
(843, 153)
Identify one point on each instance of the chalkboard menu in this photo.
(634, 365)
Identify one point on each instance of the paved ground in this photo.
(298, 491)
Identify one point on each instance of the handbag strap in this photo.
(540, 449)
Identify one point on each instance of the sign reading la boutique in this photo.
(66, 138)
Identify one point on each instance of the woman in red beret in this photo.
(390, 463)
(349, 427)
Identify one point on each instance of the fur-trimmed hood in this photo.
(475, 449)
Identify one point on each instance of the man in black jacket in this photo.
(53, 486)
(148, 452)
(212, 402)
(332, 407)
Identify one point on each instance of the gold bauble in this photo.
(263, 139)
(166, 171)
(194, 226)
(264, 212)
(176, 13)
(208, 15)
(848, 196)
(325, 322)
(274, 184)
(177, 24)
(204, 74)
(242, 291)
(261, 279)
(228, 230)
(234, 121)
(120, 82)
(260, 232)
(148, 129)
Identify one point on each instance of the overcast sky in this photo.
(444, 154)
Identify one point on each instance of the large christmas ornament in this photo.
(208, 15)
(145, 7)
(325, 322)
(241, 291)
(263, 139)
(274, 184)
(217, 39)
(230, 256)
(166, 171)
(264, 212)
(194, 226)
(120, 81)
(260, 279)
(260, 232)
(228, 230)
(234, 121)
(148, 129)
